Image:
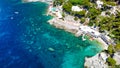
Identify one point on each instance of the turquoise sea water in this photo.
(26, 36)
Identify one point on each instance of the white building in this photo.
(59, 15)
(92, 32)
(76, 8)
(99, 4)
(113, 10)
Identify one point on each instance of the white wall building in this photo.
(76, 8)
(99, 4)
(113, 10)
(59, 15)
(87, 29)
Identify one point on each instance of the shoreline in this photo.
(65, 25)
(75, 30)
(61, 25)
(93, 61)
(71, 26)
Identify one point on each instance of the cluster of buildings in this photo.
(99, 4)
(57, 11)
(93, 33)
(107, 39)
(76, 8)
(89, 31)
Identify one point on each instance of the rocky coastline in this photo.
(97, 61)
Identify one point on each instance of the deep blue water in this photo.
(26, 36)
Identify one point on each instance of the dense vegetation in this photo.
(111, 61)
(117, 47)
(116, 66)
(111, 49)
(67, 7)
(58, 2)
(111, 23)
(85, 3)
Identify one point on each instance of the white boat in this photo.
(83, 37)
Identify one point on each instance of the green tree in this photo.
(111, 3)
(58, 2)
(75, 18)
(90, 23)
(67, 7)
(111, 61)
(74, 1)
(93, 13)
(80, 2)
(111, 24)
(80, 13)
(110, 49)
(63, 14)
(117, 66)
(106, 23)
(117, 47)
(82, 20)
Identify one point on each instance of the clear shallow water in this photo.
(25, 37)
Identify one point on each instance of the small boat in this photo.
(83, 37)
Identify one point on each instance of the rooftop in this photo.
(76, 8)
(88, 29)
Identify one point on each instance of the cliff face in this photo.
(47, 1)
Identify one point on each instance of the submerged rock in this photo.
(51, 49)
